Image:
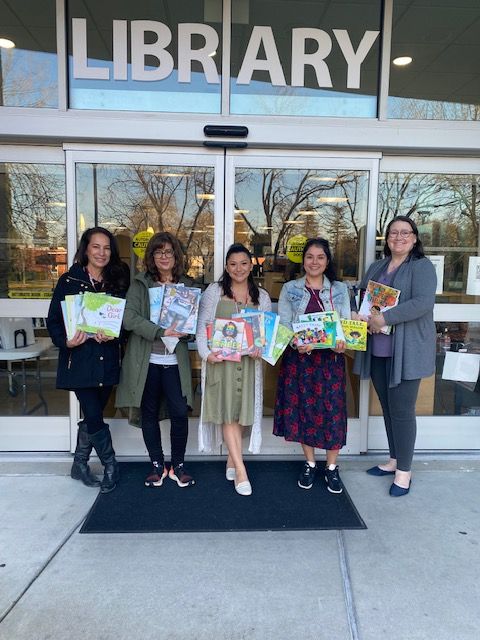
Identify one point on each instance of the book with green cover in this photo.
(355, 332)
(101, 312)
(317, 334)
(280, 342)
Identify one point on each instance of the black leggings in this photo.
(398, 405)
(92, 403)
(164, 381)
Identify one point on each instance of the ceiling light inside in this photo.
(332, 199)
(402, 61)
(5, 43)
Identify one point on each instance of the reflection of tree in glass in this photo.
(32, 200)
(446, 209)
(168, 198)
(287, 202)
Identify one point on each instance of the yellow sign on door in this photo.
(295, 248)
(140, 241)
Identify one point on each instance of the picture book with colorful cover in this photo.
(101, 312)
(227, 338)
(270, 322)
(71, 308)
(318, 334)
(280, 342)
(378, 298)
(255, 322)
(330, 316)
(355, 332)
(180, 308)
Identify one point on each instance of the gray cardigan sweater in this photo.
(414, 332)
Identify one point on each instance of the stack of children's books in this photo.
(248, 332)
(92, 312)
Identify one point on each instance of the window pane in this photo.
(33, 242)
(126, 57)
(446, 209)
(28, 70)
(290, 58)
(457, 396)
(442, 82)
(28, 367)
(136, 199)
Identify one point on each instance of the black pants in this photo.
(398, 405)
(93, 401)
(164, 381)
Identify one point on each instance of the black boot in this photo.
(80, 469)
(102, 443)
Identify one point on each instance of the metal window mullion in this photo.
(226, 44)
(386, 54)
(62, 53)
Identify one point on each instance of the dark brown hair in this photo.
(158, 241)
(115, 274)
(330, 270)
(417, 249)
(226, 281)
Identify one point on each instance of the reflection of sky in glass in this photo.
(197, 96)
(29, 78)
(263, 98)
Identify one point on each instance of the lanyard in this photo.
(316, 297)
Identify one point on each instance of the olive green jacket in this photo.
(143, 332)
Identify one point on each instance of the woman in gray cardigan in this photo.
(397, 362)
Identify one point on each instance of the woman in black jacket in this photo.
(90, 366)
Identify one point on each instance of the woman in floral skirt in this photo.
(311, 406)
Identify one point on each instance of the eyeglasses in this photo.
(168, 253)
(401, 234)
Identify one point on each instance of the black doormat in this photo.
(277, 503)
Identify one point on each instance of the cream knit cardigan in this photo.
(210, 435)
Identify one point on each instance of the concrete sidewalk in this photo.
(413, 574)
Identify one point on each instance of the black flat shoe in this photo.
(376, 471)
(397, 492)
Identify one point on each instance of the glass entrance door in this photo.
(273, 204)
(134, 195)
(270, 203)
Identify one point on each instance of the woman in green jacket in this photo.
(154, 383)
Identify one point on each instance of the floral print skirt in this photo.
(311, 403)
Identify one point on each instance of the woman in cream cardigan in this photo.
(232, 392)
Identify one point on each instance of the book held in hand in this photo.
(280, 342)
(355, 332)
(377, 299)
(100, 312)
(180, 308)
(227, 338)
(317, 334)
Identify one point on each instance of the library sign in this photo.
(261, 53)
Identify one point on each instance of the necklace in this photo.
(96, 283)
(239, 302)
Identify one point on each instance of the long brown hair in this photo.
(115, 273)
(226, 281)
(158, 241)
